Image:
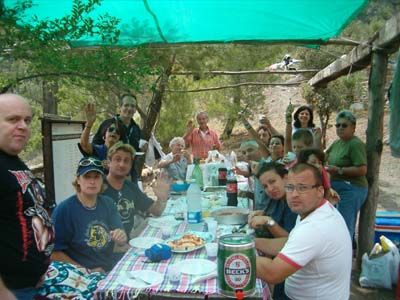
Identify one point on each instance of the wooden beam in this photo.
(355, 60)
(251, 72)
(374, 145)
(234, 86)
(387, 39)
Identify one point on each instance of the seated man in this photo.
(316, 258)
(176, 162)
(126, 195)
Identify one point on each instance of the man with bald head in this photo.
(25, 227)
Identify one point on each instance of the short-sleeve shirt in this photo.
(100, 151)
(84, 233)
(176, 170)
(348, 154)
(128, 200)
(26, 229)
(319, 246)
(202, 144)
(282, 215)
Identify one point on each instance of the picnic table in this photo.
(117, 284)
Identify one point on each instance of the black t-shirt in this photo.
(130, 135)
(26, 229)
(128, 200)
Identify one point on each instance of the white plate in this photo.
(139, 153)
(196, 266)
(154, 278)
(207, 236)
(163, 221)
(144, 242)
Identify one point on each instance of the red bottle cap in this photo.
(239, 294)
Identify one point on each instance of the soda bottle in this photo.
(193, 197)
(232, 190)
(222, 176)
(197, 174)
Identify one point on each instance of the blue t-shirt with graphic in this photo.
(84, 233)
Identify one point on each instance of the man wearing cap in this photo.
(316, 258)
(201, 139)
(87, 224)
(127, 196)
(130, 131)
(25, 227)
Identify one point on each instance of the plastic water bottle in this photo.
(193, 197)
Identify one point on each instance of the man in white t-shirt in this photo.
(316, 258)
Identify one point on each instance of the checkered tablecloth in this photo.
(111, 287)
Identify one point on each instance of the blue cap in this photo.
(87, 164)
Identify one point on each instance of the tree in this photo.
(337, 95)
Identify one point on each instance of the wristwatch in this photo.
(270, 222)
(340, 171)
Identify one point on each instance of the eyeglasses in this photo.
(90, 161)
(343, 125)
(300, 188)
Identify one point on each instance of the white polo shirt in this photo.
(320, 248)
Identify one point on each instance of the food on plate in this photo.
(229, 213)
(186, 242)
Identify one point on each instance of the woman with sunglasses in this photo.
(87, 224)
(111, 135)
(347, 165)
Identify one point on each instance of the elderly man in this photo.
(126, 194)
(25, 227)
(316, 258)
(130, 131)
(201, 139)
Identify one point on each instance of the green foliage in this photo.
(177, 110)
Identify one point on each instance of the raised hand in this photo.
(90, 114)
(189, 126)
(289, 111)
(161, 187)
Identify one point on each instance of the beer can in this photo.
(236, 265)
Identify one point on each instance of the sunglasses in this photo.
(112, 129)
(343, 125)
(90, 162)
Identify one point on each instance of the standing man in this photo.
(130, 131)
(316, 258)
(202, 139)
(26, 229)
(127, 196)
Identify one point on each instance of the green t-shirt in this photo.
(351, 153)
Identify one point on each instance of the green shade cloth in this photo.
(212, 21)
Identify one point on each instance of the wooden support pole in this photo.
(376, 101)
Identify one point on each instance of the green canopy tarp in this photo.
(216, 21)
